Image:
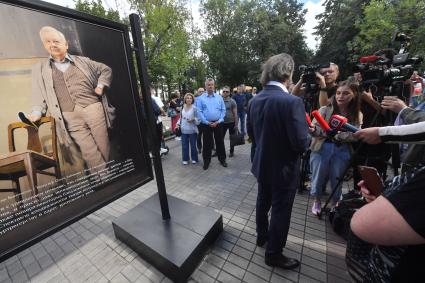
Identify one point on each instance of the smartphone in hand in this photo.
(372, 180)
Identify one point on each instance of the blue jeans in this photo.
(186, 139)
(329, 162)
(242, 116)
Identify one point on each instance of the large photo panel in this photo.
(71, 139)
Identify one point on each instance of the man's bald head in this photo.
(54, 42)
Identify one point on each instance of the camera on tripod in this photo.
(387, 67)
(309, 75)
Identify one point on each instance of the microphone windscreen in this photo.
(307, 117)
(367, 59)
(323, 124)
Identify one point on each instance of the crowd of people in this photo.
(389, 228)
(202, 120)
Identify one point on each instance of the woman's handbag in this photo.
(178, 132)
(171, 112)
(237, 139)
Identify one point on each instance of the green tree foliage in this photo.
(383, 18)
(166, 40)
(96, 8)
(349, 29)
(240, 35)
(336, 27)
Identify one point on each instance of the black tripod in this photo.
(311, 100)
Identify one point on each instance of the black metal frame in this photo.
(24, 236)
(145, 84)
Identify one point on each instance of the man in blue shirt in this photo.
(240, 99)
(211, 111)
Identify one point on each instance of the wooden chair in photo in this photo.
(30, 162)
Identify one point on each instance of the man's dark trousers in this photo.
(231, 128)
(199, 138)
(209, 134)
(282, 197)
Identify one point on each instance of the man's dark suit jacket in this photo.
(277, 124)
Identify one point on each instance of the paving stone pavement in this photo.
(87, 251)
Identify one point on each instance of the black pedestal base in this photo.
(176, 246)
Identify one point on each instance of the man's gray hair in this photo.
(277, 68)
(51, 29)
(208, 80)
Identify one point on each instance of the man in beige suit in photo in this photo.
(70, 87)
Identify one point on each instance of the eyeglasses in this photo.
(226, 91)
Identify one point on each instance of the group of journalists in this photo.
(371, 124)
(386, 242)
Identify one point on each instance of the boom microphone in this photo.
(322, 123)
(339, 123)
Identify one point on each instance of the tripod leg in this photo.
(305, 159)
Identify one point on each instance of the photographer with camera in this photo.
(318, 78)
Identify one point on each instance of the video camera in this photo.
(309, 75)
(386, 66)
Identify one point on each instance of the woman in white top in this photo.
(188, 124)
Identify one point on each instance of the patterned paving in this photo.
(87, 250)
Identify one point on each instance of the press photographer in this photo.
(388, 72)
(317, 84)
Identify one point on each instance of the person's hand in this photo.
(311, 129)
(320, 80)
(301, 80)
(34, 117)
(393, 103)
(190, 120)
(369, 135)
(98, 90)
(212, 124)
(368, 94)
(365, 192)
(235, 127)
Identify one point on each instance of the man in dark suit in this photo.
(277, 124)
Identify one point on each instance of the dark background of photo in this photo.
(101, 41)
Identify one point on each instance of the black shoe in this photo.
(281, 261)
(231, 154)
(223, 163)
(206, 166)
(261, 241)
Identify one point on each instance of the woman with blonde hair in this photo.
(188, 125)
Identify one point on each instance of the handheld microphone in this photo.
(307, 117)
(339, 123)
(322, 122)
